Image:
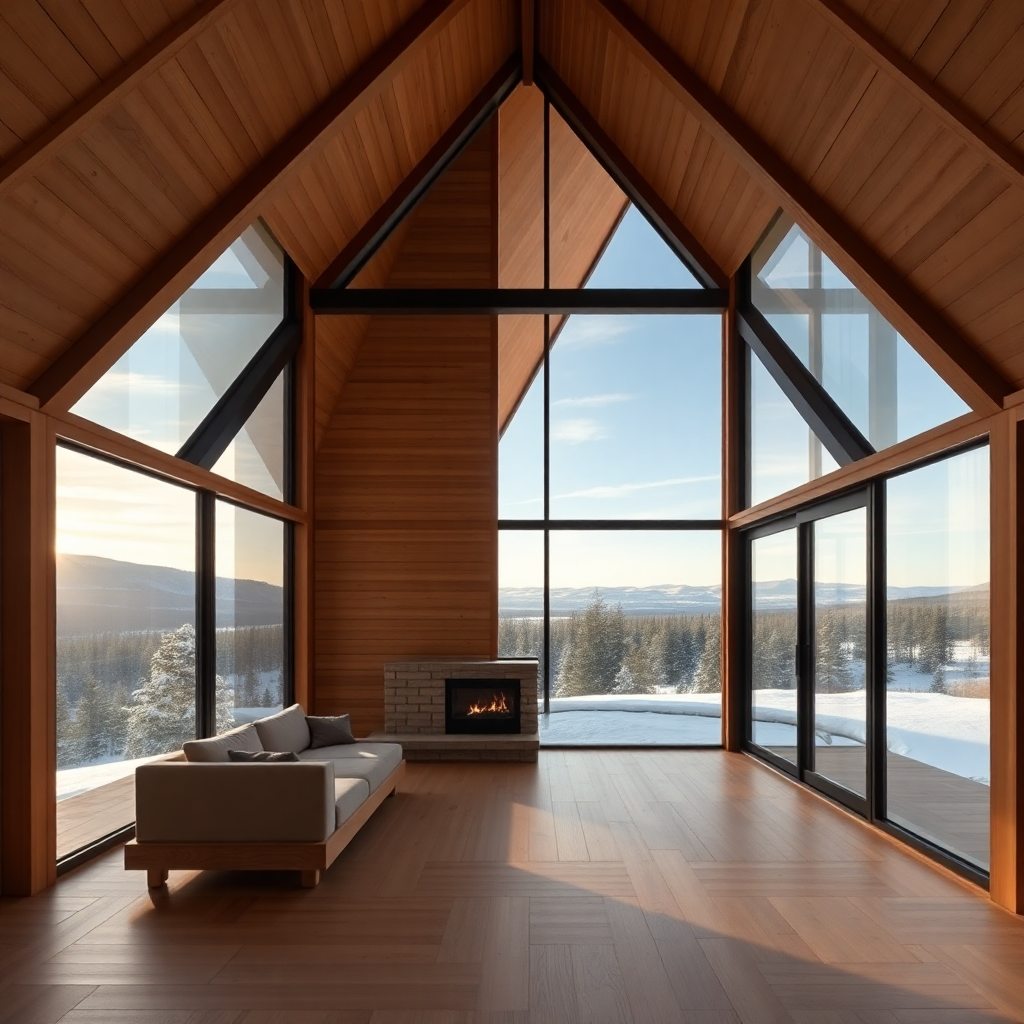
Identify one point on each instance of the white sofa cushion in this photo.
(371, 761)
(216, 748)
(349, 795)
(287, 730)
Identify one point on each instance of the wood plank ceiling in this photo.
(93, 218)
(98, 210)
(947, 218)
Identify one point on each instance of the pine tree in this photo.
(708, 677)
(91, 727)
(67, 744)
(162, 712)
(595, 649)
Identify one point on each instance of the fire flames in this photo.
(497, 706)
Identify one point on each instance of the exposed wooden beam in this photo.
(675, 233)
(368, 239)
(527, 38)
(962, 366)
(108, 94)
(64, 382)
(962, 430)
(109, 442)
(928, 93)
(503, 301)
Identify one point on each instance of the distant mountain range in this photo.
(104, 594)
(778, 595)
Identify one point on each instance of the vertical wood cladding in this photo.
(406, 489)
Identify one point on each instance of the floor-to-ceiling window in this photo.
(610, 515)
(868, 616)
(172, 604)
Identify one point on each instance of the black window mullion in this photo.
(206, 614)
(836, 431)
(210, 439)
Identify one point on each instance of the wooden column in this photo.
(1007, 797)
(732, 541)
(28, 657)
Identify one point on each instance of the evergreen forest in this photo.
(132, 694)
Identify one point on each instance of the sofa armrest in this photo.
(181, 802)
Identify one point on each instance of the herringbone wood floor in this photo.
(596, 886)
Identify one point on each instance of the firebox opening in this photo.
(481, 706)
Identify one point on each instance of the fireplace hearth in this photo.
(482, 707)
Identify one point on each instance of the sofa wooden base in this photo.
(308, 858)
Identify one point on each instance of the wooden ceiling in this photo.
(137, 134)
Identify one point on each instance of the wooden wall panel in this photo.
(338, 337)
(406, 490)
(28, 744)
(77, 233)
(934, 207)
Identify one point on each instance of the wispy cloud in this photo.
(622, 490)
(594, 401)
(578, 431)
(593, 330)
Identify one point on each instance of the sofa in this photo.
(212, 811)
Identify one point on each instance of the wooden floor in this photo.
(86, 817)
(690, 886)
(946, 809)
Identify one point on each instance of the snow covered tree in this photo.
(708, 677)
(595, 649)
(638, 673)
(92, 725)
(67, 744)
(162, 712)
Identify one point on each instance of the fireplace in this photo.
(481, 706)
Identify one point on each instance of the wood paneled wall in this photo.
(406, 473)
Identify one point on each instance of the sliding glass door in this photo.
(868, 653)
(808, 646)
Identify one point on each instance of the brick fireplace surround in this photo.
(414, 710)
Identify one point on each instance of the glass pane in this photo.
(937, 687)
(521, 597)
(637, 257)
(873, 374)
(635, 638)
(784, 452)
(636, 418)
(126, 684)
(256, 456)
(521, 458)
(160, 390)
(773, 717)
(250, 615)
(840, 649)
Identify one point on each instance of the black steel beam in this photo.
(358, 252)
(610, 524)
(498, 301)
(835, 430)
(211, 438)
(660, 215)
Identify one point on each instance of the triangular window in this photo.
(166, 385)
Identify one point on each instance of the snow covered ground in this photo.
(951, 733)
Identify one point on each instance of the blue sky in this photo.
(636, 434)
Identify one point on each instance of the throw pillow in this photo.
(262, 755)
(287, 730)
(328, 731)
(216, 748)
